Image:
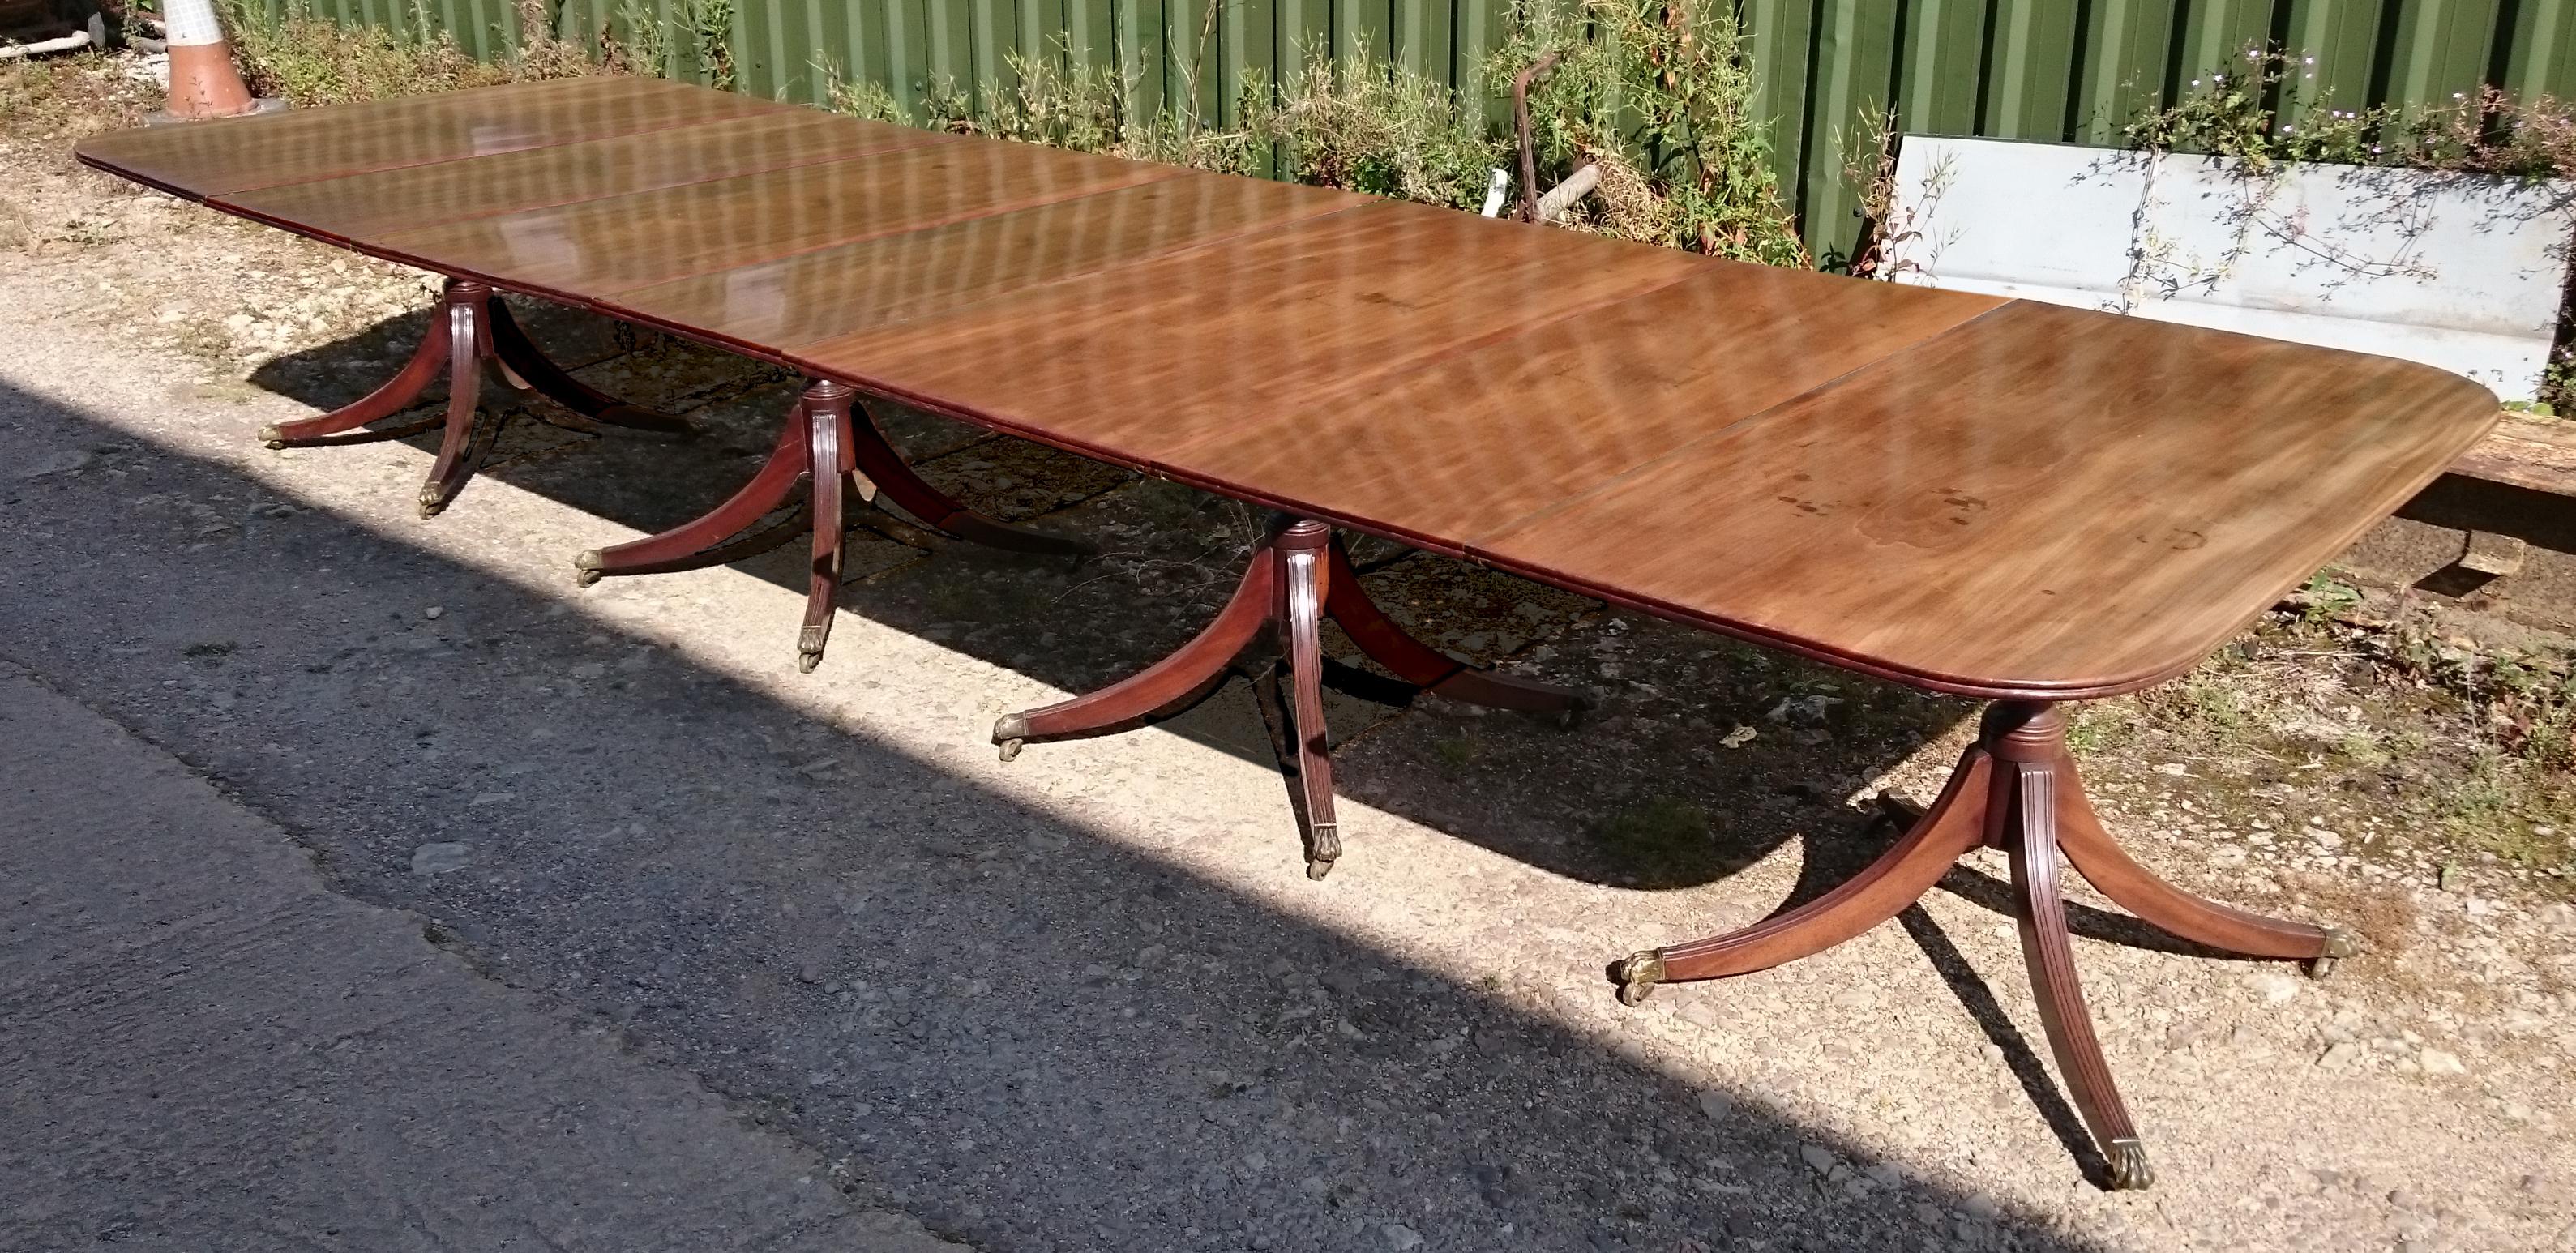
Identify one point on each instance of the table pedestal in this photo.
(472, 335)
(2015, 789)
(1299, 575)
(826, 427)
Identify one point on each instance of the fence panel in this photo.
(2029, 69)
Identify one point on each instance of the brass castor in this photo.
(2129, 1169)
(1011, 733)
(2340, 944)
(431, 503)
(1638, 976)
(587, 569)
(272, 438)
(805, 662)
(1324, 847)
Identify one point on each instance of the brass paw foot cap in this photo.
(2340, 944)
(1638, 975)
(2129, 1169)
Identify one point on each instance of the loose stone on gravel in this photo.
(1717, 1105)
(2440, 1062)
(441, 858)
(2276, 986)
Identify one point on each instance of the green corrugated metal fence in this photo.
(2032, 69)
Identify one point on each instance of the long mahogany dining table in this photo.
(1993, 498)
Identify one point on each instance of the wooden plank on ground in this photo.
(2525, 452)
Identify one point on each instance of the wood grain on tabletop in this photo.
(367, 207)
(215, 158)
(1473, 441)
(875, 283)
(2039, 499)
(597, 248)
(2000, 499)
(1144, 360)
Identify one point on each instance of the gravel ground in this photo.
(1088, 1000)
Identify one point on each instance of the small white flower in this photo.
(2309, 61)
(2286, 128)
(2195, 82)
(2218, 78)
(2459, 95)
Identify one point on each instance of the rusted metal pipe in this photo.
(1521, 119)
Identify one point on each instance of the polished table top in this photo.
(1997, 498)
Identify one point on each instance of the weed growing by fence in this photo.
(2267, 106)
(311, 60)
(1660, 93)
(1359, 125)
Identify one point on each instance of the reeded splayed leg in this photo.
(1292, 583)
(1302, 589)
(827, 415)
(2135, 888)
(520, 356)
(397, 393)
(468, 350)
(1955, 824)
(1175, 682)
(2028, 745)
(722, 534)
(2016, 789)
(873, 456)
(1423, 666)
(471, 335)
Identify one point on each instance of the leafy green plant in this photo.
(2325, 599)
(312, 60)
(1357, 125)
(2266, 107)
(639, 42)
(710, 27)
(2263, 108)
(1660, 93)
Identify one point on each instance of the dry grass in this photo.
(309, 60)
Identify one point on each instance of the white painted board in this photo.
(2460, 271)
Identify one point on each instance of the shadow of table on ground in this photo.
(1030, 1035)
(1703, 757)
